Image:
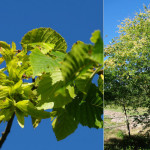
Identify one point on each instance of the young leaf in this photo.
(4, 91)
(20, 117)
(35, 122)
(27, 107)
(5, 103)
(6, 114)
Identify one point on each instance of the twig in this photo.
(7, 130)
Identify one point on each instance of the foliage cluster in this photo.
(62, 87)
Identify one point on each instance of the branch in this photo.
(7, 130)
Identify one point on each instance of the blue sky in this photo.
(115, 11)
(74, 20)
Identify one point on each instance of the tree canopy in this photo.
(127, 68)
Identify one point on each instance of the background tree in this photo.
(61, 82)
(127, 67)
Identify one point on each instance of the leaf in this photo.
(41, 63)
(100, 83)
(4, 45)
(35, 122)
(6, 114)
(97, 52)
(4, 91)
(89, 111)
(44, 47)
(20, 117)
(71, 90)
(52, 95)
(76, 61)
(17, 87)
(27, 107)
(1, 59)
(64, 125)
(5, 103)
(6, 52)
(45, 35)
(84, 80)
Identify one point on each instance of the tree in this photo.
(61, 87)
(127, 68)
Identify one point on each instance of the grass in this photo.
(135, 142)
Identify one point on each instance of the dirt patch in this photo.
(117, 121)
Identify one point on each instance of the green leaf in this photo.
(17, 87)
(100, 83)
(7, 52)
(41, 63)
(5, 103)
(4, 45)
(20, 117)
(44, 35)
(89, 111)
(4, 91)
(64, 125)
(1, 59)
(35, 122)
(44, 47)
(97, 52)
(27, 107)
(84, 80)
(76, 61)
(6, 114)
(71, 90)
(52, 95)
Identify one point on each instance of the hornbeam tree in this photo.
(127, 69)
(61, 87)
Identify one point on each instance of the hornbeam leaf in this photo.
(84, 80)
(97, 52)
(4, 91)
(89, 111)
(41, 63)
(5, 103)
(76, 61)
(20, 117)
(6, 114)
(52, 95)
(35, 122)
(100, 83)
(44, 47)
(4, 45)
(27, 107)
(1, 59)
(45, 35)
(64, 125)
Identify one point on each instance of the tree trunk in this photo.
(127, 120)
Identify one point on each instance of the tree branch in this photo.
(7, 130)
